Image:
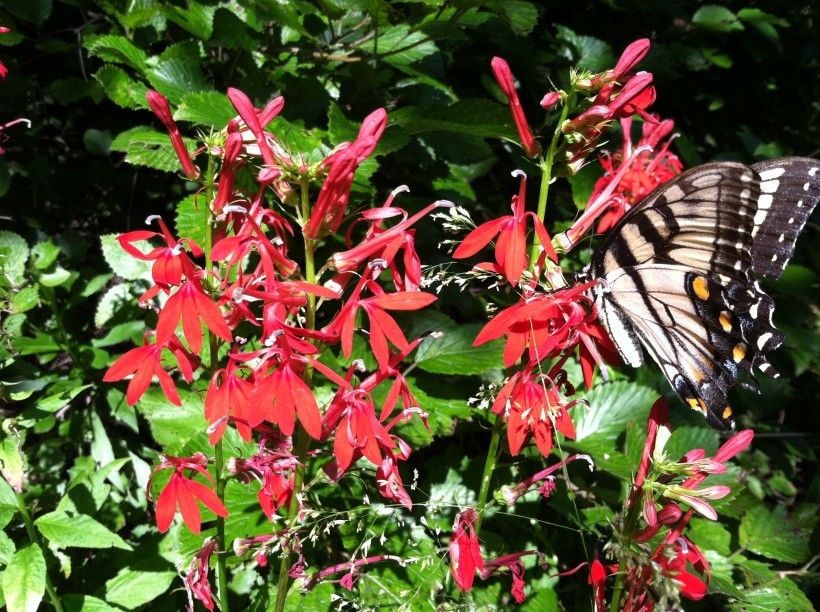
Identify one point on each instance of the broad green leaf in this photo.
(474, 117)
(192, 218)
(763, 22)
(176, 77)
(399, 46)
(40, 345)
(520, 15)
(97, 142)
(121, 88)
(117, 49)
(55, 278)
(454, 353)
(7, 547)
(79, 531)
(146, 147)
(586, 51)
(85, 603)
(174, 426)
(196, 18)
(710, 535)
(8, 499)
(687, 438)
(56, 401)
(25, 299)
(211, 108)
(112, 300)
(97, 283)
(775, 535)
(781, 594)
(43, 254)
(33, 11)
(120, 333)
(123, 264)
(12, 464)
(133, 588)
(14, 254)
(716, 17)
(24, 580)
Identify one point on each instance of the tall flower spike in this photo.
(501, 70)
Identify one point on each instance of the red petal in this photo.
(207, 497)
(188, 506)
(479, 238)
(403, 300)
(166, 506)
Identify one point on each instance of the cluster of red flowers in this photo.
(246, 278)
(660, 487)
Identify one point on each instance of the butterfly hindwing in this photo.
(677, 274)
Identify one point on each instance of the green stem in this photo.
(546, 173)
(489, 468)
(629, 527)
(302, 441)
(219, 457)
(35, 540)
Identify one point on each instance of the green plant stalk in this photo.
(35, 540)
(302, 441)
(546, 173)
(219, 458)
(489, 468)
(630, 525)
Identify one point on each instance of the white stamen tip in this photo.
(445, 204)
(400, 189)
(151, 218)
(518, 173)
(234, 208)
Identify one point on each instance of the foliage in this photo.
(77, 460)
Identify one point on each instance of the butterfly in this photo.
(678, 275)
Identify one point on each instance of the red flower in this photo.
(330, 206)
(274, 464)
(510, 494)
(390, 483)
(285, 396)
(229, 398)
(246, 110)
(513, 563)
(532, 405)
(190, 304)
(145, 362)
(358, 429)
(227, 173)
(597, 578)
(159, 104)
(511, 245)
(505, 79)
(465, 552)
(183, 493)
(196, 578)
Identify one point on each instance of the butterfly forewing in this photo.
(676, 274)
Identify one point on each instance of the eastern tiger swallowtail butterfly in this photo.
(678, 274)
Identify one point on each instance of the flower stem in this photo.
(213, 350)
(35, 540)
(302, 442)
(489, 467)
(546, 173)
(629, 527)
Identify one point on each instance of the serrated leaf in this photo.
(400, 46)
(43, 254)
(146, 147)
(774, 535)
(55, 278)
(12, 465)
(85, 603)
(586, 51)
(132, 588)
(121, 88)
(117, 49)
(121, 263)
(25, 299)
(710, 535)
(175, 77)
(481, 118)
(210, 108)
(112, 300)
(521, 16)
(7, 546)
(198, 19)
(454, 353)
(79, 531)
(717, 18)
(192, 218)
(175, 426)
(24, 580)
(14, 254)
(783, 594)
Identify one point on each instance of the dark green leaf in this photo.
(775, 535)
(454, 353)
(121, 88)
(117, 49)
(716, 17)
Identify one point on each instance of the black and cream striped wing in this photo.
(677, 275)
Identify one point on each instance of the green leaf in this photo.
(79, 531)
(95, 284)
(7, 547)
(121, 88)
(710, 535)
(112, 300)
(782, 594)
(43, 254)
(197, 19)
(12, 465)
(192, 218)
(24, 580)
(146, 147)
(123, 264)
(521, 16)
(763, 22)
(175, 426)
(774, 535)
(85, 603)
(25, 299)
(211, 108)
(399, 46)
(117, 49)
(55, 278)
(454, 353)
(586, 51)
(716, 18)
(120, 333)
(54, 402)
(97, 142)
(175, 77)
(33, 11)
(13, 257)
(133, 588)
(41, 344)
(481, 118)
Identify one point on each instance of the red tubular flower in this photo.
(159, 104)
(329, 209)
(533, 405)
(190, 304)
(630, 58)
(503, 75)
(513, 563)
(227, 173)
(511, 245)
(286, 396)
(182, 493)
(144, 362)
(3, 70)
(510, 495)
(196, 577)
(352, 569)
(243, 105)
(229, 398)
(275, 466)
(465, 552)
(390, 483)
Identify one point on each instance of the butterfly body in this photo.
(677, 276)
